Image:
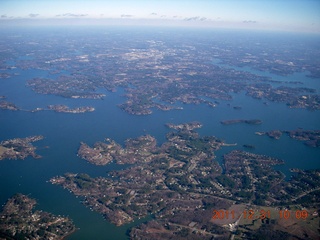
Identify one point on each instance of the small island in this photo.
(309, 137)
(249, 146)
(4, 75)
(275, 134)
(19, 221)
(5, 105)
(186, 126)
(8, 105)
(234, 121)
(66, 109)
(19, 148)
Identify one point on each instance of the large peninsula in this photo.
(180, 184)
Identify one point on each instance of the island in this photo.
(250, 146)
(5, 105)
(4, 75)
(66, 109)
(8, 105)
(18, 220)
(19, 148)
(181, 184)
(234, 121)
(309, 137)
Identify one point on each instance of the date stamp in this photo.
(260, 214)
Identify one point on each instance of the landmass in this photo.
(275, 134)
(250, 146)
(136, 150)
(19, 148)
(185, 126)
(163, 74)
(180, 184)
(309, 137)
(8, 106)
(18, 220)
(276, 227)
(4, 75)
(66, 109)
(57, 108)
(251, 121)
(73, 89)
(147, 91)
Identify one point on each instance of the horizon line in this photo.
(128, 21)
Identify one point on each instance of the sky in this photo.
(284, 15)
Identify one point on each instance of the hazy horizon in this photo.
(296, 16)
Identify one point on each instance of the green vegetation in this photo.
(225, 181)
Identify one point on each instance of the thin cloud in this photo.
(126, 16)
(249, 21)
(154, 14)
(4, 16)
(33, 15)
(71, 15)
(195, 19)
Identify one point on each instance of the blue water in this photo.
(63, 133)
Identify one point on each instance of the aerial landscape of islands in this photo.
(154, 74)
(188, 193)
(181, 186)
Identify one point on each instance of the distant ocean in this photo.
(63, 133)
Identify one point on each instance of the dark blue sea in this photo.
(63, 133)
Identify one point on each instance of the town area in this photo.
(18, 220)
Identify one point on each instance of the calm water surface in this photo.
(63, 133)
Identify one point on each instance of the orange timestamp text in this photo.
(260, 214)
